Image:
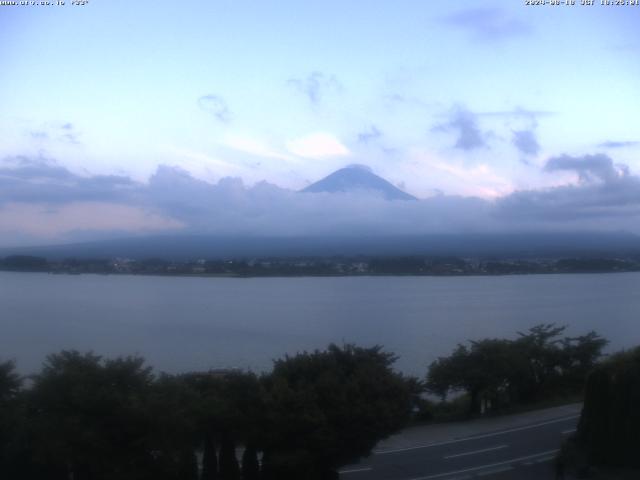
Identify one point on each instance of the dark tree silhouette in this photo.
(329, 408)
(209, 458)
(497, 372)
(609, 428)
(12, 435)
(483, 371)
(250, 465)
(88, 415)
(10, 382)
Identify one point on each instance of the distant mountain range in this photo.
(357, 178)
(191, 247)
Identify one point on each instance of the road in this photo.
(523, 449)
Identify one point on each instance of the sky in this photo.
(125, 118)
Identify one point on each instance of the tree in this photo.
(540, 347)
(230, 411)
(485, 371)
(579, 356)
(10, 382)
(209, 459)
(11, 421)
(609, 427)
(250, 465)
(446, 373)
(172, 438)
(88, 416)
(498, 372)
(26, 263)
(329, 408)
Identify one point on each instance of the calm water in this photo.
(197, 323)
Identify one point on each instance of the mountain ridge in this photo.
(354, 178)
(194, 246)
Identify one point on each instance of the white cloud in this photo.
(454, 177)
(317, 145)
(203, 165)
(253, 146)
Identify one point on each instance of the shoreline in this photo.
(321, 275)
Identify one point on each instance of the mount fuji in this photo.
(355, 178)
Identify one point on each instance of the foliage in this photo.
(10, 381)
(329, 408)
(498, 372)
(609, 428)
(89, 418)
(10, 413)
(26, 263)
(483, 369)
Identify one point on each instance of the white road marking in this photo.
(495, 470)
(545, 459)
(466, 439)
(476, 451)
(356, 470)
(567, 432)
(484, 467)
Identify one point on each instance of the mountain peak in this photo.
(360, 166)
(357, 177)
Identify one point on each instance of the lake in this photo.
(187, 323)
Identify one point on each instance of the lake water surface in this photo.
(182, 323)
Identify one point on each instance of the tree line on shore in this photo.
(320, 266)
(91, 418)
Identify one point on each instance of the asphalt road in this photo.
(522, 452)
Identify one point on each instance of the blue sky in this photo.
(441, 98)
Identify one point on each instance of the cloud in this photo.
(174, 199)
(618, 144)
(489, 23)
(399, 99)
(607, 195)
(69, 133)
(315, 85)
(481, 179)
(523, 137)
(215, 105)
(178, 194)
(607, 206)
(53, 223)
(41, 180)
(607, 199)
(465, 124)
(60, 132)
(205, 165)
(526, 142)
(231, 207)
(317, 145)
(370, 135)
(38, 135)
(588, 167)
(42, 199)
(253, 147)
